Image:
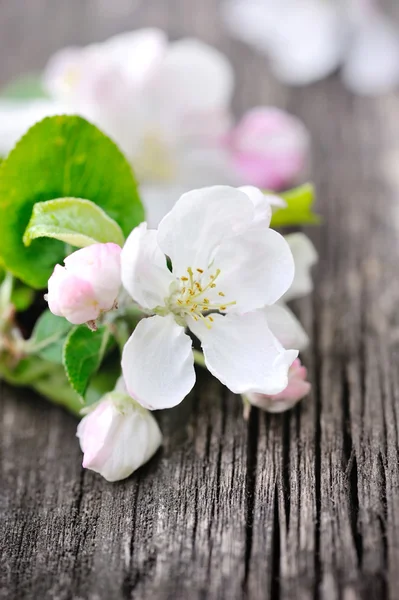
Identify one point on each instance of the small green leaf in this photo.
(48, 337)
(84, 351)
(60, 157)
(299, 208)
(22, 297)
(73, 221)
(26, 87)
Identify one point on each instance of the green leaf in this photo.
(26, 87)
(48, 337)
(60, 157)
(73, 221)
(84, 351)
(104, 380)
(299, 208)
(22, 297)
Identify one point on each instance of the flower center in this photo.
(153, 162)
(198, 294)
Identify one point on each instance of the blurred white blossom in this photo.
(307, 40)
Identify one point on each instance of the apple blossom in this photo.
(117, 436)
(269, 148)
(298, 387)
(304, 41)
(372, 62)
(308, 40)
(226, 267)
(88, 285)
(305, 257)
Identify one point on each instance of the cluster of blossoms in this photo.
(307, 40)
(213, 269)
(146, 93)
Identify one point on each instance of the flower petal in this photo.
(305, 256)
(17, 117)
(198, 222)
(158, 363)
(286, 327)
(262, 205)
(194, 77)
(117, 437)
(145, 274)
(243, 354)
(372, 64)
(256, 268)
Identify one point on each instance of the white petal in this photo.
(305, 256)
(194, 77)
(137, 53)
(117, 437)
(145, 274)
(158, 363)
(17, 117)
(286, 327)
(198, 222)
(243, 354)
(304, 40)
(262, 205)
(256, 268)
(158, 200)
(372, 65)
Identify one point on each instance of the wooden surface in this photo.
(300, 506)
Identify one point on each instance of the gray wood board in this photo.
(298, 506)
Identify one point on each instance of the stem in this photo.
(199, 359)
(247, 406)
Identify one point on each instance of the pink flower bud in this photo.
(88, 284)
(270, 148)
(118, 436)
(296, 389)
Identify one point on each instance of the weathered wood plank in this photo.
(303, 505)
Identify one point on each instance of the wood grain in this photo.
(298, 506)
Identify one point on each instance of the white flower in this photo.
(227, 265)
(307, 40)
(118, 436)
(305, 257)
(372, 61)
(303, 39)
(298, 387)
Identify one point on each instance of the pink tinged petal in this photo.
(158, 363)
(100, 266)
(198, 222)
(256, 268)
(270, 148)
(71, 297)
(296, 389)
(145, 274)
(117, 437)
(286, 327)
(92, 433)
(305, 257)
(243, 354)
